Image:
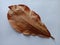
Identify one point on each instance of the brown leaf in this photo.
(26, 21)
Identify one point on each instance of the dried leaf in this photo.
(26, 21)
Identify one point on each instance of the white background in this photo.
(49, 11)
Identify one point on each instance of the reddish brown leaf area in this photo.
(26, 21)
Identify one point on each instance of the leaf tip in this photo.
(53, 38)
